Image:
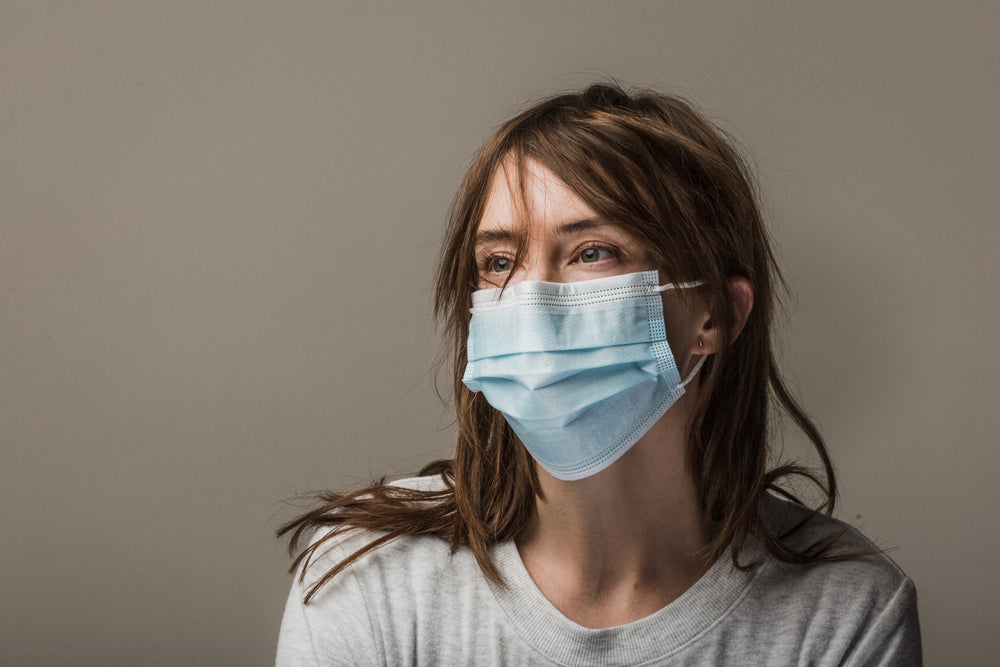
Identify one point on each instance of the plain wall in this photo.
(218, 229)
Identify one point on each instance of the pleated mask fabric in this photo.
(580, 370)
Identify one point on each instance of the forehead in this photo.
(537, 196)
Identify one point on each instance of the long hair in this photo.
(653, 165)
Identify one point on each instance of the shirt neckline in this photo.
(656, 636)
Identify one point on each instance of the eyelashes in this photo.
(592, 254)
(503, 263)
(500, 263)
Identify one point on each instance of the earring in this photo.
(701, 343)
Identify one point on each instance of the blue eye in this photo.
(594, 254)
(499, 264)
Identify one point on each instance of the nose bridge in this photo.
(537, 263)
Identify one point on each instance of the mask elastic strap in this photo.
(664, 288)
(694, 371)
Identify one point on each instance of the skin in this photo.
(621, 544)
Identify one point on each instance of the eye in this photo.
(498, 264)
(595, 254)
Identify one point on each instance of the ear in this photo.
(741, 297)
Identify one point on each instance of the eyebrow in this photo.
(584, 225)
(488, 236)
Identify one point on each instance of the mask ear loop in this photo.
(694, 371)
(701, 362)
(664, 288)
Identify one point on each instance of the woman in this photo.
(607, 291)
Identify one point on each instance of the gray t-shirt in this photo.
(414, 603)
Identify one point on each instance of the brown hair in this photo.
(649, 162)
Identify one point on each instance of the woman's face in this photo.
(567, 241)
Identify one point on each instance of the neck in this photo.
(619, 545)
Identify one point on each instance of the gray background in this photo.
(218, 228)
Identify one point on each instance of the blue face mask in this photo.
(580, 370)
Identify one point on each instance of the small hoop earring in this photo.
(701, 343)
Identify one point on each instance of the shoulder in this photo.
(428, 483)
(380, 603)
(393, 561)
(799, 529)
(864, 604)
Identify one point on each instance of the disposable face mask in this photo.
(580, 370)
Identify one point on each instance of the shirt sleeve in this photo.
(894, 637)
(333, 629)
